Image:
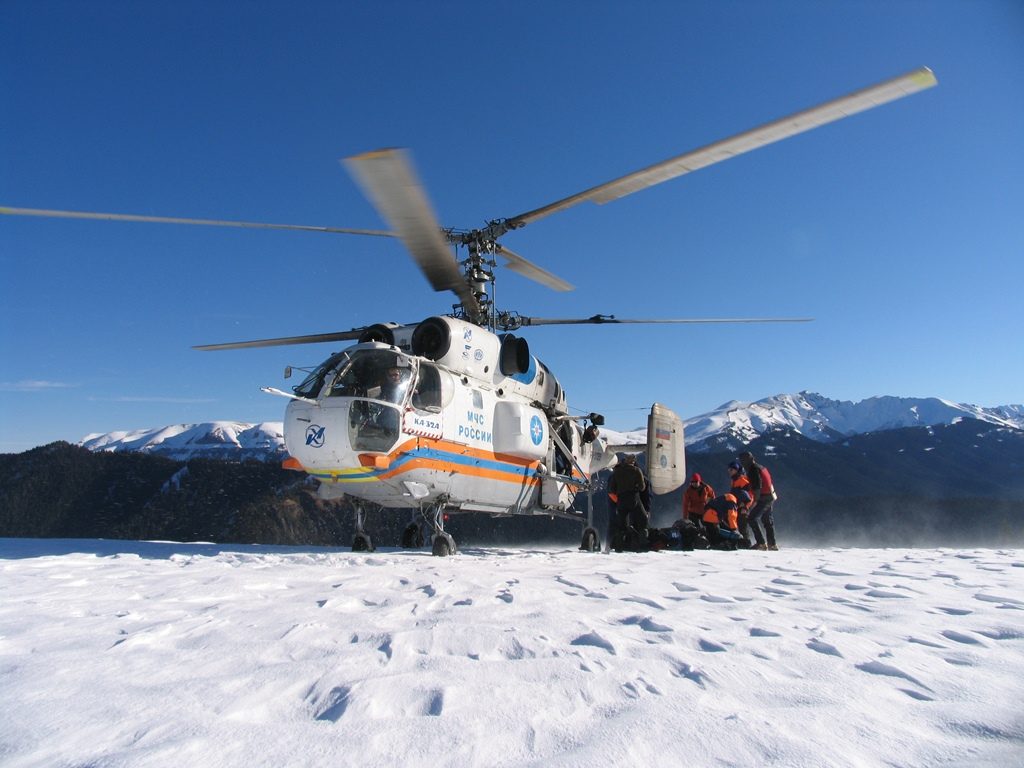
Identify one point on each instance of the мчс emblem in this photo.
(536, 430)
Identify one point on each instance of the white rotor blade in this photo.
(526, 268)
(200, 222)
(389, 181)
(883, 92)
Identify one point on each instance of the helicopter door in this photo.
(666, 460)
(432, 393)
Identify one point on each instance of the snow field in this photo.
(150, 654)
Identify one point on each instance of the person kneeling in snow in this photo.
(720, 519)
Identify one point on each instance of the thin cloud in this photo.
(34, 385)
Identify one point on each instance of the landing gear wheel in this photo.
(443, 545)
(412, 537)
(591, 541)
(362, 543)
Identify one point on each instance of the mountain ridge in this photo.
(730, 427)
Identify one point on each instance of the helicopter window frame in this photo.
(313, 384)
(433, 389)
(365, 376)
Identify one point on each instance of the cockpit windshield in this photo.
(312, 384)
(376, 374)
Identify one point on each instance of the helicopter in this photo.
(454, 414)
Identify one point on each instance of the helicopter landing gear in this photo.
(441, 543)
(443, 546)
(361, 542)
(412, 536)
(591, 540)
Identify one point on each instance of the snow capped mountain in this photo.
(229, 440)
(728, 427)
(825, 420)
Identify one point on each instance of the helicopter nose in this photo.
(317, 436)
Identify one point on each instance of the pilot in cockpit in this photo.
(394, 384)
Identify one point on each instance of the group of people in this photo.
(729, 518)
(725, 521)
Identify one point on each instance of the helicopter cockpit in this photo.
(380, 385)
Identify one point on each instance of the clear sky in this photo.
(901, 230)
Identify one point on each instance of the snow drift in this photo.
(128, 654)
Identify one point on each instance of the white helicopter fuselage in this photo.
(476, 424)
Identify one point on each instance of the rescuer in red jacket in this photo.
(763, 491)
(697, 494)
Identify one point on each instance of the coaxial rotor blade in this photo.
(611, 319)
(526, 268)
(858, 101)
(316, 338)
(200, 222)
(389, 181)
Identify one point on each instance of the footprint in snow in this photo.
(333, 705)
(915, 694)
(573, 584)
(710, 647)
(954, 611)
(646, 623)
(1002, 633)
(716, 599)
(691, 673)
(884, 593)
(887, 670)
(433, 703)
(1006, 602)
(927, 643)
(643, 601)
(505, 596)
(830, 572)
(960, 637)
(595, 640)
(759, 632)
(822, 647)
(684, 587)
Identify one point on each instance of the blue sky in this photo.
(901, 230)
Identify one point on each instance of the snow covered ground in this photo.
(152, 654)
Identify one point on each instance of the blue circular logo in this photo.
(536, 430)
(315, 435)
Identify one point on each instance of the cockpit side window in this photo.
(433, 388)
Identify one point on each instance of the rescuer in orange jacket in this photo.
(720, 519)
(741, 483)
(697, 494)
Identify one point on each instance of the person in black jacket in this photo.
(627, 487)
